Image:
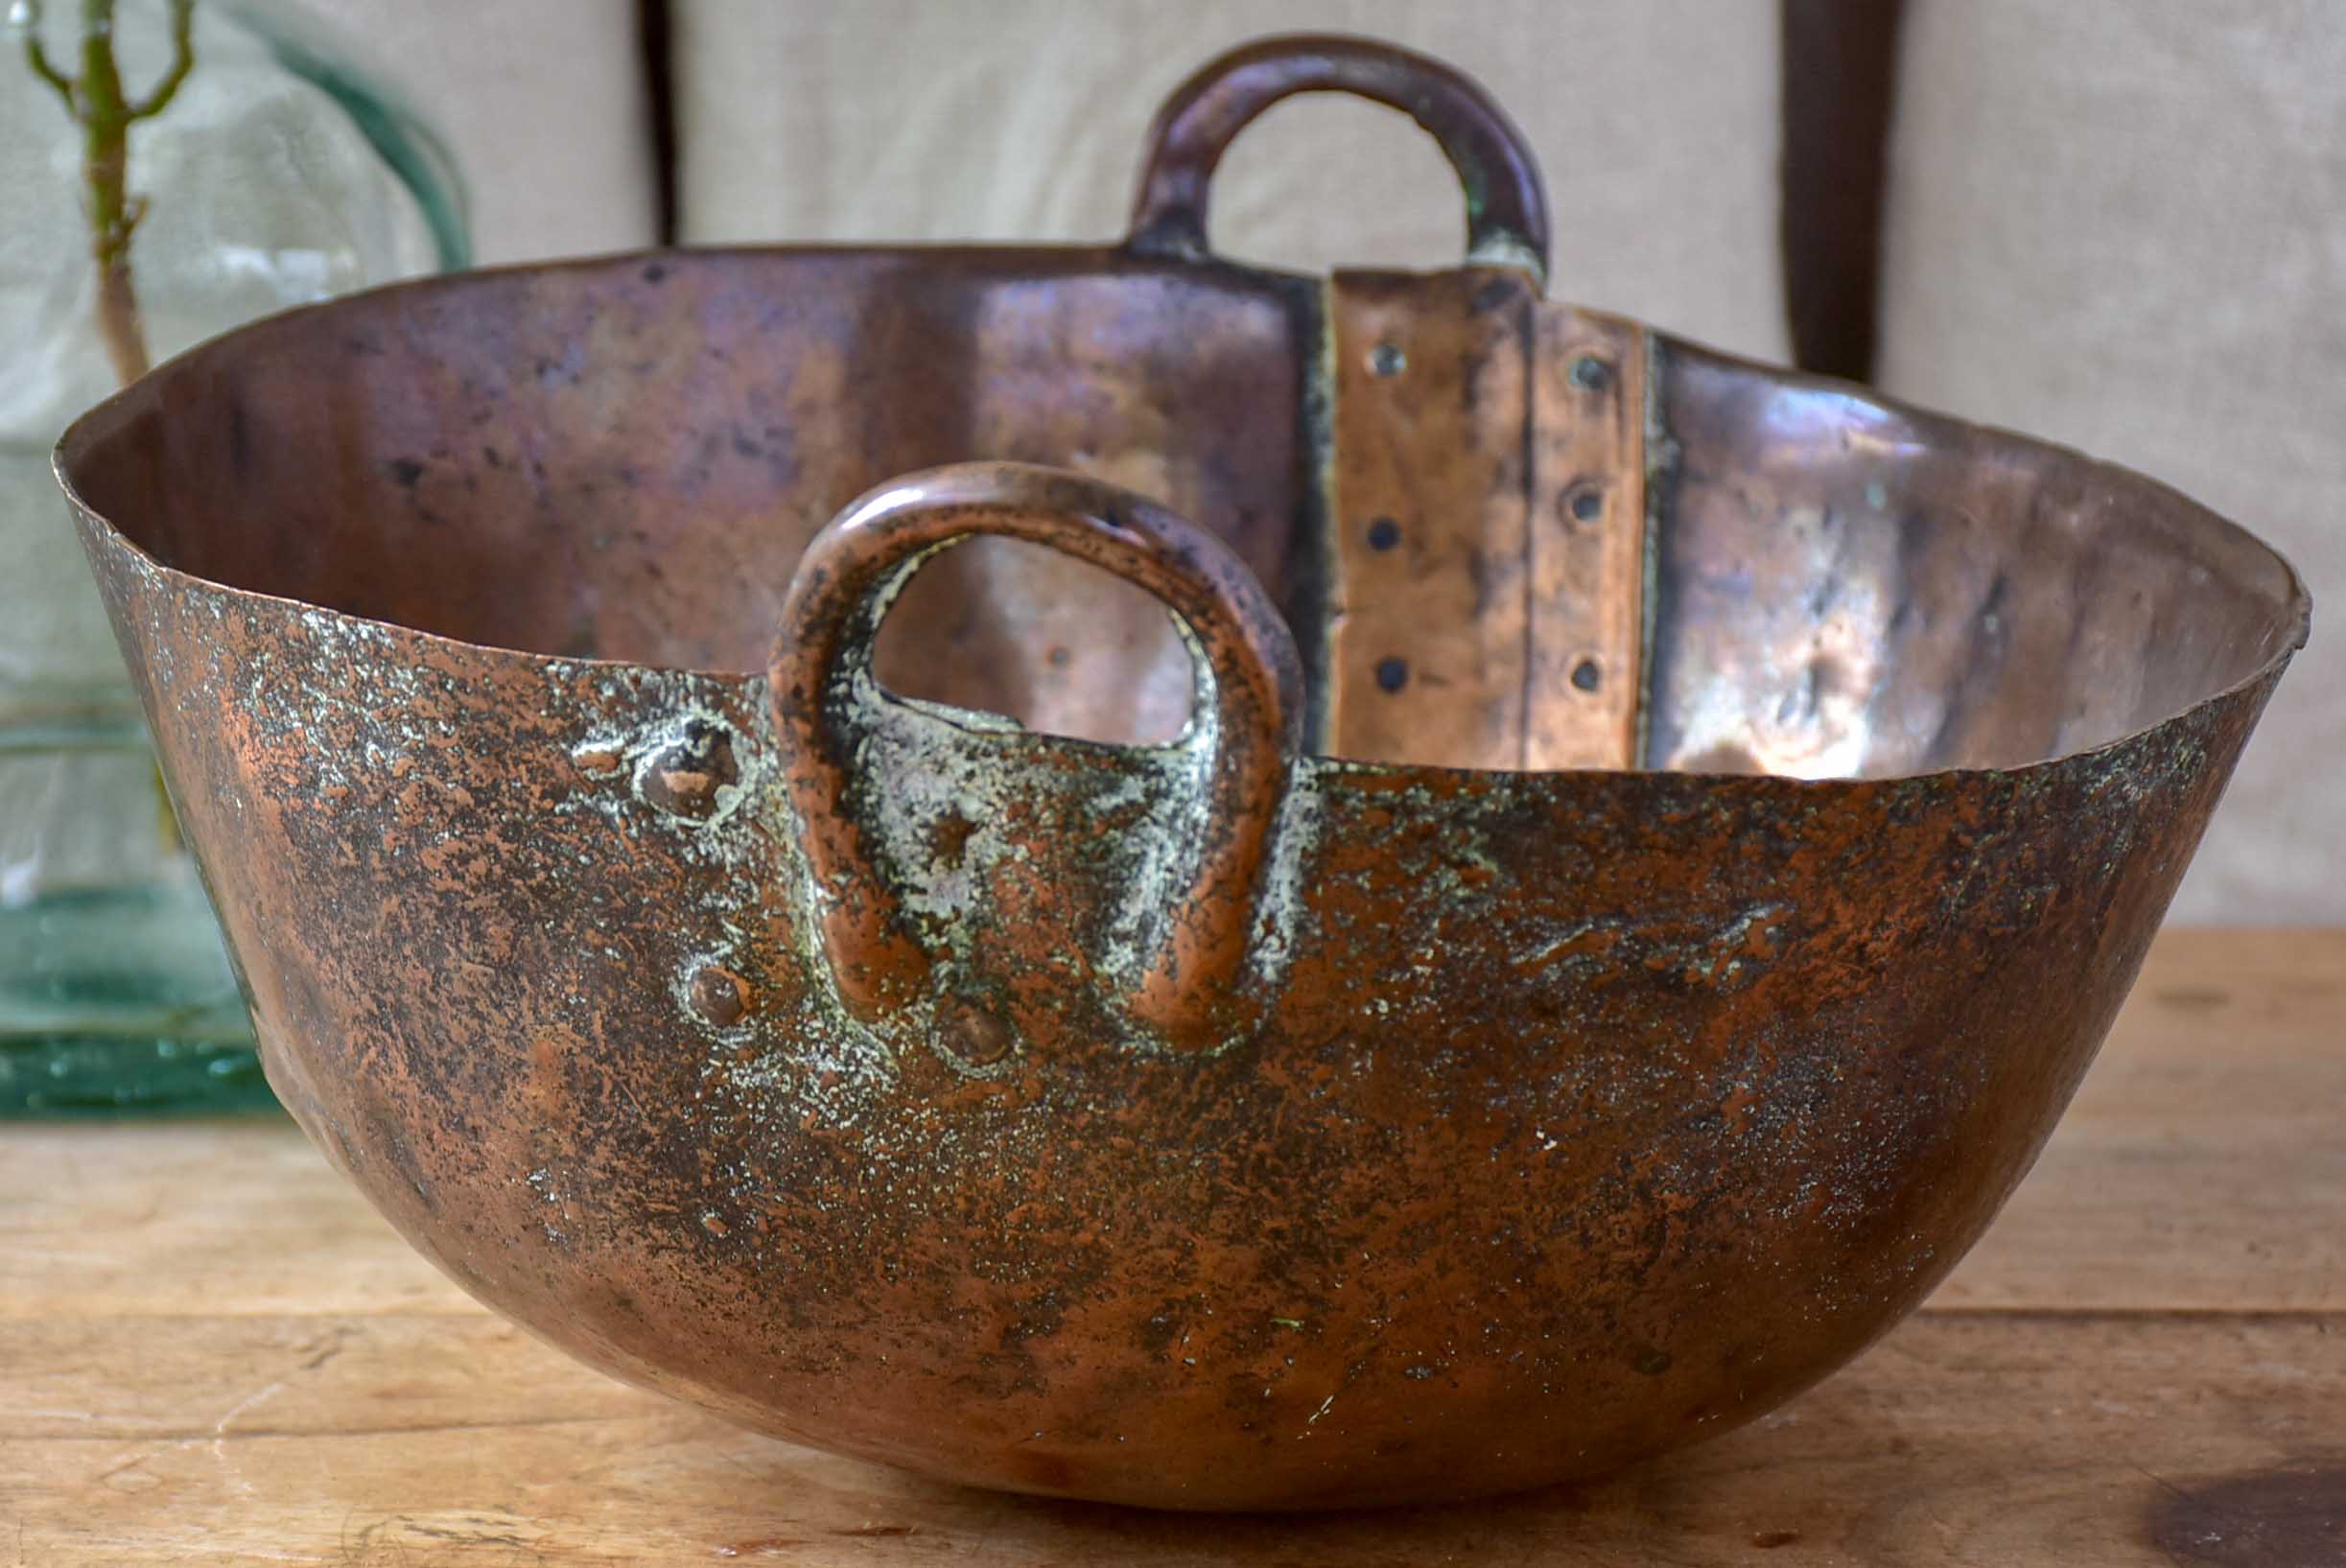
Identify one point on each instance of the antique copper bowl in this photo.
(1599, 983)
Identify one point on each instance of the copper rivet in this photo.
(1388, 359)
(684, 779)
(719, 995)
(974, 1035)
(1590, 373)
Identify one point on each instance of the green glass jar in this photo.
(168, 169)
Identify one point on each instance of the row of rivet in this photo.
(1583, 502)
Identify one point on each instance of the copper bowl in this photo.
(1601, 983)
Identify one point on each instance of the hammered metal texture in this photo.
(1218, 1123)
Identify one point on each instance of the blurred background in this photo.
(2122, 227)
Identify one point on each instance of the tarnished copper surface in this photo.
(1589, 549)
(1184, 984)
(1213, 1123)
(1507, 204)
(1429, 614)
(1485, 596)
(1843, 586)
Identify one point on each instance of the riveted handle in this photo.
(1507, 209)
(822, 675)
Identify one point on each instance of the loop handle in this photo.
(831, 619)
(1507, 208)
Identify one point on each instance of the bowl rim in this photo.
(103, 420)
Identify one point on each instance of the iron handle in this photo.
(1506, 207)
(822, 664)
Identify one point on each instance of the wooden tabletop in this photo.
(212, 1352)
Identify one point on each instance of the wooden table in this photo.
(211, 1352)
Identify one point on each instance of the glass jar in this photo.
(168, 169)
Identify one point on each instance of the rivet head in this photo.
(719, 994)
(682, 778)
(1384, 533)
(1585, 503)
(972, 1033)
(1591, 374)
(1586, 676)
(1387, 359)
(1392, 674)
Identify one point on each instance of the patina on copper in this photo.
(1333, 1103)
(827, 705)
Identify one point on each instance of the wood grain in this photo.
(211, 1353)
(132, 1221)
(355, 1440)
(2202, 1167)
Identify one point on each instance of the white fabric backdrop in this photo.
(1022, 120)
(544, 103)
(2124, 226)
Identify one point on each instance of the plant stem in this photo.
(107, 116)
(98, 103)
(106, 166)
(37, 58)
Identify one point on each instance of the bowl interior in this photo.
(622, 459)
